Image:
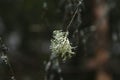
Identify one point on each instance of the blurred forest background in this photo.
(27, 25)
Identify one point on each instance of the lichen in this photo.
(60, 45)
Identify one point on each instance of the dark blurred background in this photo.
(26, 27)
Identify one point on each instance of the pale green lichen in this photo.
(60, 45)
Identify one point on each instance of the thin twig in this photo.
(6, 60)
(77, 9)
